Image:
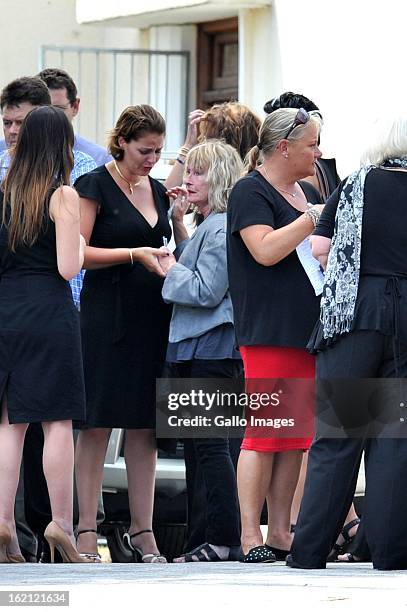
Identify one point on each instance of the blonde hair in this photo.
(223, 167)
(274, 129)
(389, 140)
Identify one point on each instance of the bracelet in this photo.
(184, 150)
(131, 257)
(180, 161)
(314, 215)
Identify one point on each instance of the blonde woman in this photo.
(202, 339)
(275, 309)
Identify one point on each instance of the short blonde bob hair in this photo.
(389, 140)
(223, 167)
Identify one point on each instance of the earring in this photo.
(286, 155)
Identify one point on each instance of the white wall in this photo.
(348, 57)
(26, 25)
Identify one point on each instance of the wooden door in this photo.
(218, 60)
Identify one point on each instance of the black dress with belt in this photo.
(40, 354)
(124, 319)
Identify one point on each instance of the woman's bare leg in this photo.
(11, 450)
(254, 471)
(299, 490)
(58, 462)
(90, 453)
(141, 458)
(280, 495)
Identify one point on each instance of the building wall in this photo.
(346, 56)
(28, 25)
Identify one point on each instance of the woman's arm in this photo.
(64, 211)
(320, 247)
(206, 284)
(180, 205)
(96, 257)
(176, 175)
(269, 246)
(321, 238)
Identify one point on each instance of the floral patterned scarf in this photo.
(343, 268)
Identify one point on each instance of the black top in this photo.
(123, 316)
(39, 260)
(384, 217)
(381, 304)
(273, 305)
(327, 176)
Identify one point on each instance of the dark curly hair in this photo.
(56, 78)
(25, 89)
(289, 99)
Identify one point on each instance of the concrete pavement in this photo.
(213, 587)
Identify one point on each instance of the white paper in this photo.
(310, 265)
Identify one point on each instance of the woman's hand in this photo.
(180, 203)
(194, 118)
(150, 258)
(318, 207)
(166, 262)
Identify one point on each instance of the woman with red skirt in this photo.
(270, 217)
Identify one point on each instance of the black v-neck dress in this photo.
(124, 319)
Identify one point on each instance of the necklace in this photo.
(131, 185)
(293, 195)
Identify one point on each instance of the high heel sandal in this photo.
(93, 557)
(138, 555)
(5, 540)
(57, 538)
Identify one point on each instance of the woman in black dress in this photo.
(41, 378)
(124, 321)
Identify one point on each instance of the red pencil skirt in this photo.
(265, 362)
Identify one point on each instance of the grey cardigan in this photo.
(198, 284)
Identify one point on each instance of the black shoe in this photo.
(259, 554)
(280, 554)
(29, 557)
(45, 556)
(291, 563)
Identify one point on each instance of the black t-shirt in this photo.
(384, 236)
(273, 305)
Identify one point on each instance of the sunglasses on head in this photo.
(301, 118)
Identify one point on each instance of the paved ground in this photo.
(213, 587)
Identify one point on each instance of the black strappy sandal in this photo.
(94, 557)
(341, 549)
(138, 555)
(205, 552)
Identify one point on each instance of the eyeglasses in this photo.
(301, 118)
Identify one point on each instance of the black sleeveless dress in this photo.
(41, 370)
(124, 319)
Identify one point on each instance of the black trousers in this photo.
(213, 509)
(333, 463)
